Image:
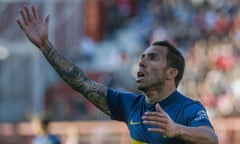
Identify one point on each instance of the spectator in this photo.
(40, 129)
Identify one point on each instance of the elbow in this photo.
(214, 139)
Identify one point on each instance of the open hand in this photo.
(35, 30)
(164, 124)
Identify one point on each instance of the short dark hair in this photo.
(174, 59)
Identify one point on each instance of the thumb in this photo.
(158, 108)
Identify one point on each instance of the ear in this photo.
(172, 73)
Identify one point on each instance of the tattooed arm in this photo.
(37, 32)
(77, 79)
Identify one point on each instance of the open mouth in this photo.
(140, 76)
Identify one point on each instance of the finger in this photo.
(157, 114)
(156, 130)
(161, 111)
(156, 118)
(161, 130)
(29, 17)
(158, 108)
(154, 122)
(20, 24)
(161, 125)
(46, 20)
(35, 13)
(24, 17)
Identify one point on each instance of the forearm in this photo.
(197, 135)
(76, 78)
(67, 71)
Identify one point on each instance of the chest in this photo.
(139, 131)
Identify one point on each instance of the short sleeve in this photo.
(119, 103)
(197, 115)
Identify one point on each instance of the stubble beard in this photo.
(149, 87)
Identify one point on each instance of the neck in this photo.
(157, 95)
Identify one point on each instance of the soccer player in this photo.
(161, 115)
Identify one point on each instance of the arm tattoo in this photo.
(77, 79)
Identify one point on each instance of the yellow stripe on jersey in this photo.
(137, 142)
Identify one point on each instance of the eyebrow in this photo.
(150, 54)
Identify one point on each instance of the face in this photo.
(152, 68)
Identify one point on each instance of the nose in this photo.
(142, 63)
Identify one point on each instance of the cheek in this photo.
(158, 73)
(156, 65)
(157, 69)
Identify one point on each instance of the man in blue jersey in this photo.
(161, 115)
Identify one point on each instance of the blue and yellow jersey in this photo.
(129, 108)
(133, 141)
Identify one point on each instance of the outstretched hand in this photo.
(164, 124)
(35, 30)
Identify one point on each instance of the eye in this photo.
(153, 56)
(142, 56)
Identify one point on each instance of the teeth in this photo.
(139, 78)
(140, 74)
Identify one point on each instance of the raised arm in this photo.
(37, 32)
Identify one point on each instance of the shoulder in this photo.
(121, 94)
(124, 98)
(189, 105)
(186, 99)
